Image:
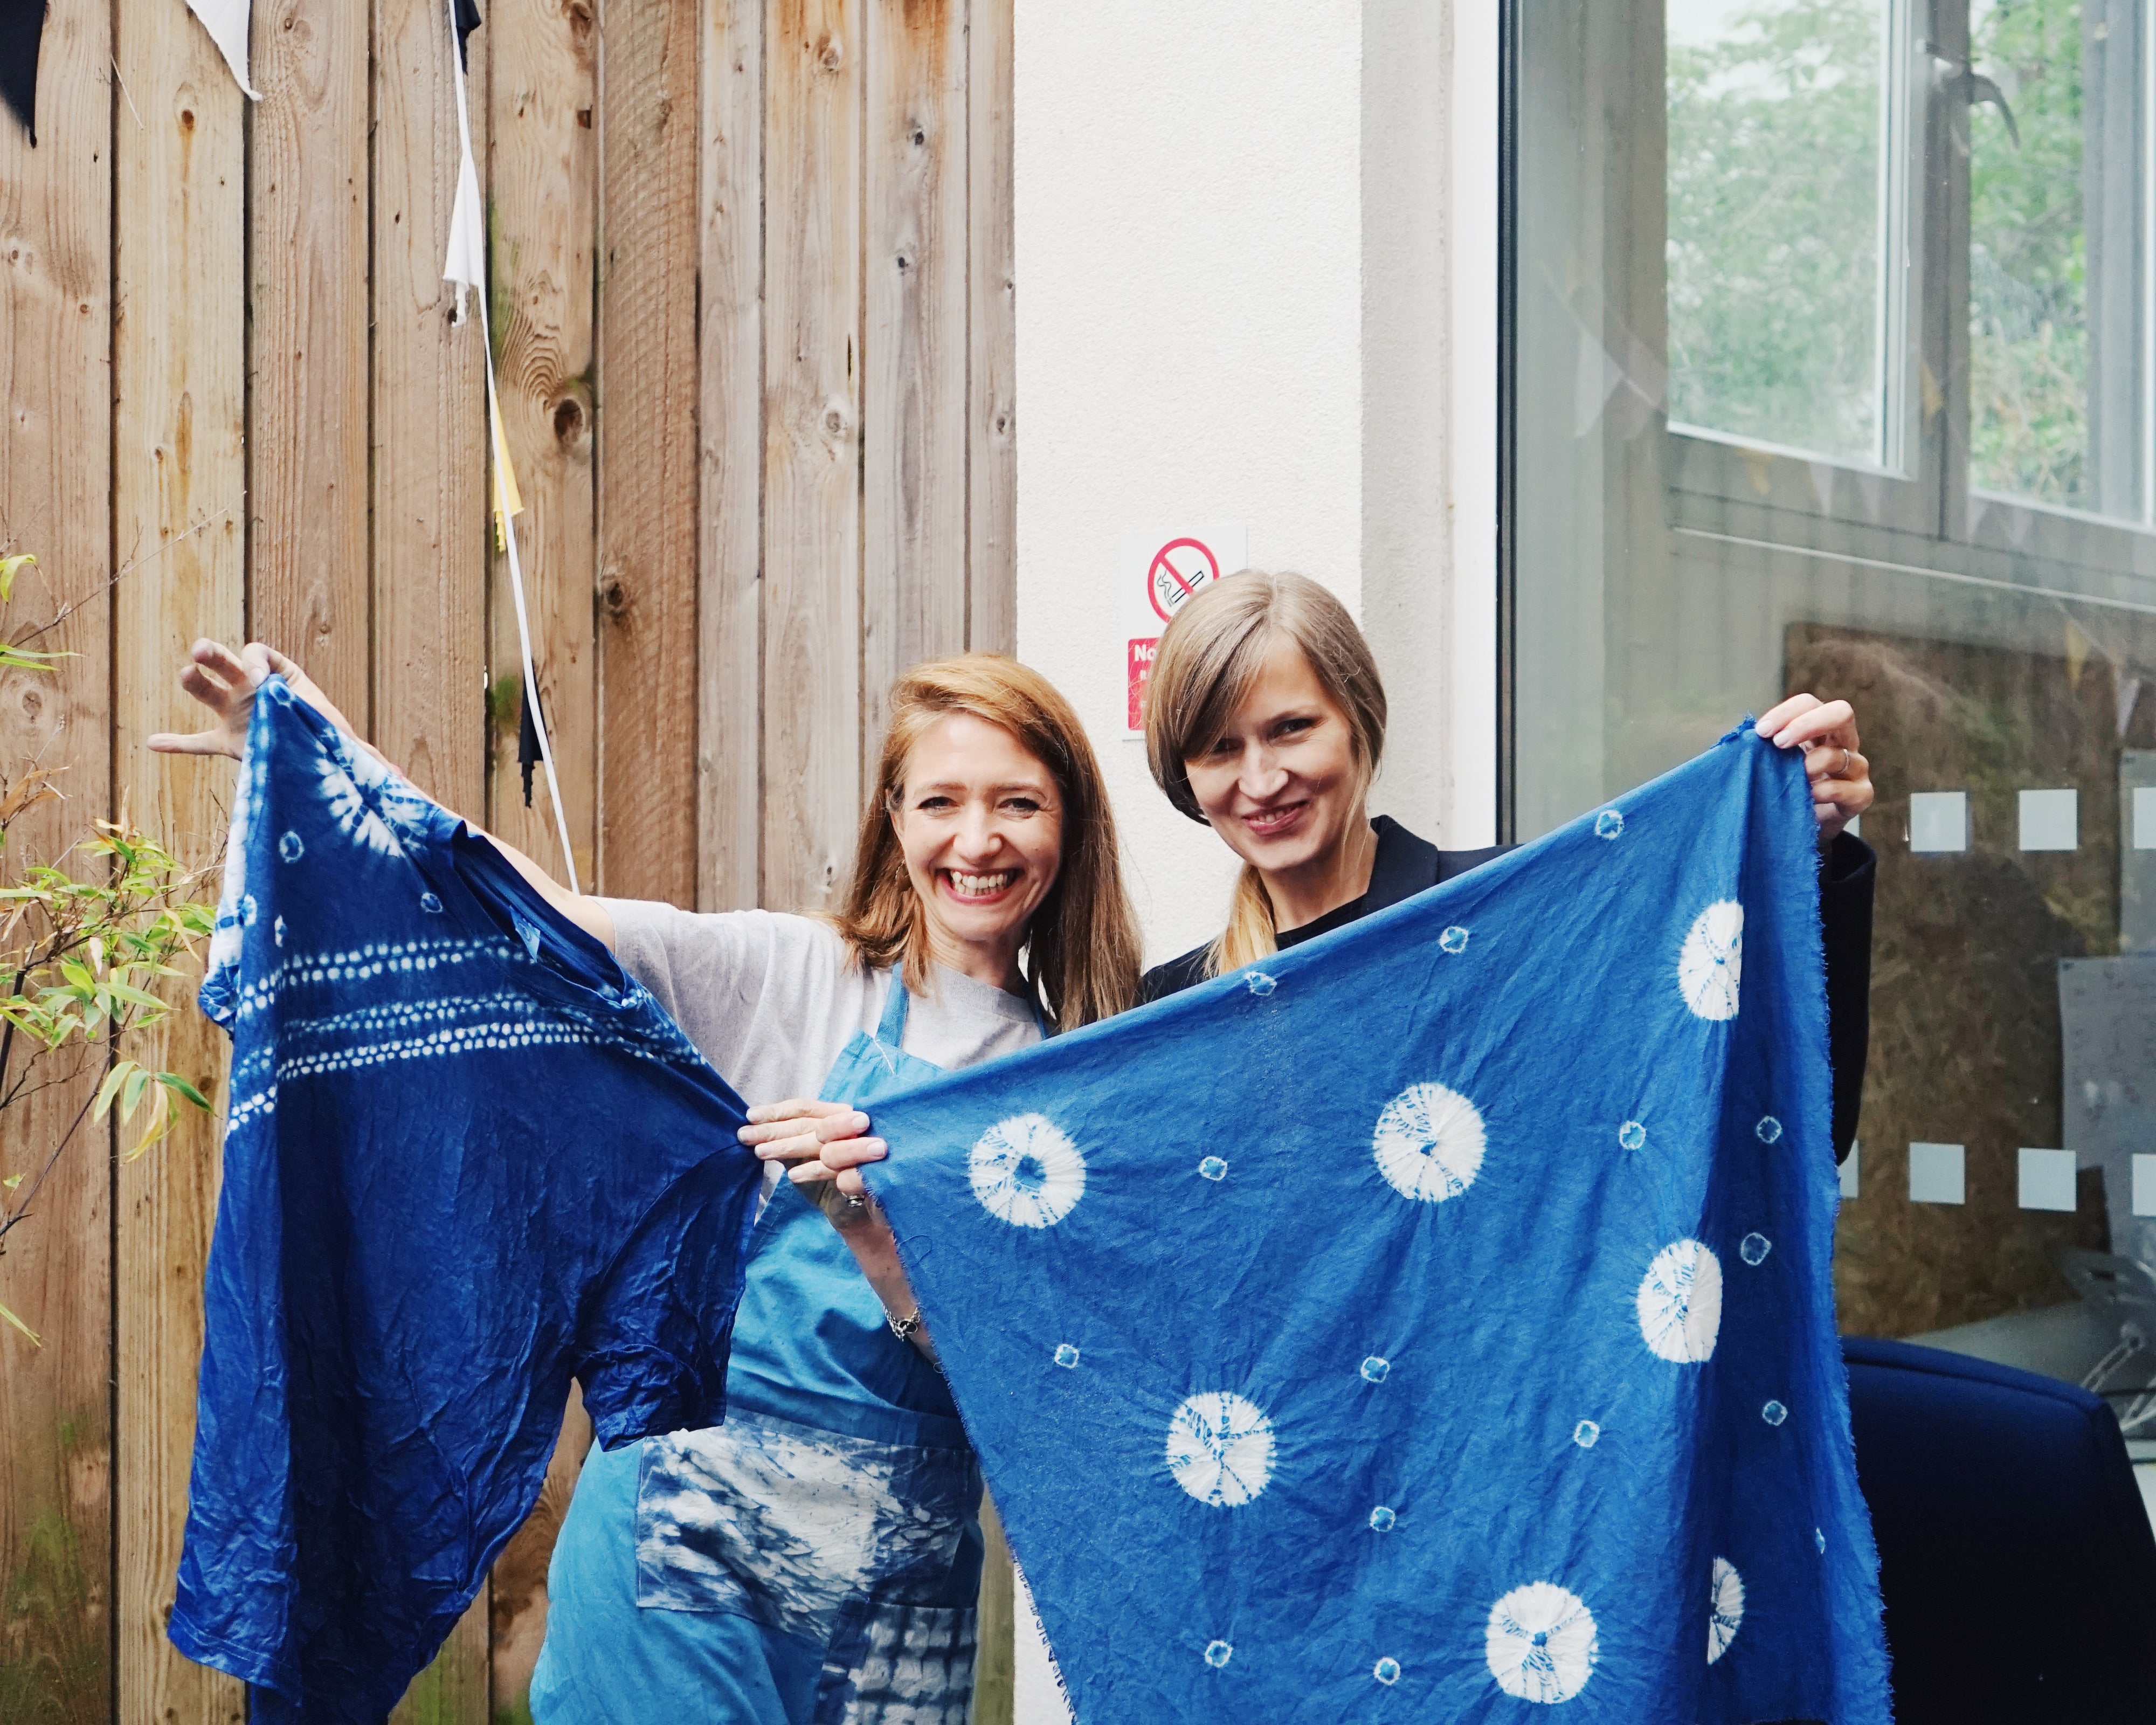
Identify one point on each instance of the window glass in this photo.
(1777, 158)
(2030, 356)
(1699, 524)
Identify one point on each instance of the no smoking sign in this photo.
(1159, 574)
(1179, 569)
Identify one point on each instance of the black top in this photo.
(1406, 865)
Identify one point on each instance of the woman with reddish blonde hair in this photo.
(819, 1555)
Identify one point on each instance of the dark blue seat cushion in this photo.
(2015, 1555)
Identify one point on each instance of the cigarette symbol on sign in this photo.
(1179, 568)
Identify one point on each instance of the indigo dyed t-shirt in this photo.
(467, 1156)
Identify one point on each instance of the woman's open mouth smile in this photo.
(986, 888)
(1272, 823)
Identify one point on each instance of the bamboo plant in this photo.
(89, 951)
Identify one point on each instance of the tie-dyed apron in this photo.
(815, 1559)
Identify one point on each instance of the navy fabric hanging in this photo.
(1436, 1317)
(467, 20)
(466, 1158)
(22, 29)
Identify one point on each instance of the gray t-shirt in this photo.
(771, 1000)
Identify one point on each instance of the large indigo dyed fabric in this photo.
(1433, 1322)
(467, 1156)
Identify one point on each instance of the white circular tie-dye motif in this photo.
(1712, 960)
(1680, 1302)
(1725, 1609)
(1429, 1142)
(1540, 1644)
(1026, 1171)
(1220, 1449)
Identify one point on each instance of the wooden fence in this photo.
(753, 311)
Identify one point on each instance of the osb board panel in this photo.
(1964, 995)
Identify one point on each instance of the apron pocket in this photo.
(891, 1664)
(785, 1524)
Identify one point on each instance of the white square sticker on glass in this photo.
(1848, 1170)
(2144, 1185)
(1935, 1174)
(1938, 820)
(2047, 1180)
(2144, 817)
(2050, 820)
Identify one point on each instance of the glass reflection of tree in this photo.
(1774, 199)
(2028, 256)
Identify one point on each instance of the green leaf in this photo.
(106, 1090)
(10, 567)
(12, 1181)
(19, 1323)
(138, 1080)
(172, 1081)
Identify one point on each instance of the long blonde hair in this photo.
(1081, 954)
(1210, 656)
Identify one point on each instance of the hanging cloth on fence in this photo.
(466, 1157)
(228, 24)
(1438, 1316)
(22, 29)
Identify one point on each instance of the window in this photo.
(1831, 370)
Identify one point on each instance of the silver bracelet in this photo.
(904, 1327)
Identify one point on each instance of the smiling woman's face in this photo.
(1281, 784)
(981, 828)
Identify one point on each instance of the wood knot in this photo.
(835, 423)
(905, 262)
(830, 53)
(580, 19)
(186, 120)
(920, 137)
(568, 419)
(614, 597)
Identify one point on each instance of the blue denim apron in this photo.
(817, 1558)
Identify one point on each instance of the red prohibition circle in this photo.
(1188, 587)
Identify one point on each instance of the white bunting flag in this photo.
(227, 22)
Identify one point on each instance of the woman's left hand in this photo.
(1840, 776)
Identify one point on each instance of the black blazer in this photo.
(1406, 865)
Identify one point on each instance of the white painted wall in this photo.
(1257, 285)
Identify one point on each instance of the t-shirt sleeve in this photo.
(765, 996)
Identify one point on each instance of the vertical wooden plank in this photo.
(428, 541)
(178, 508)
(520, 1574)
(55, 475)
(543, 200)
(650, 120)
(995, 1668)
(992, 464)
(307, 362)
(914, 416)
(812, 451)
(729, 683)
(430, 419)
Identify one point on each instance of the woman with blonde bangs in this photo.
(1266, 720)
(819, 1556)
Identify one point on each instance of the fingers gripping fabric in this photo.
(466, 1158)
(1442, 1330)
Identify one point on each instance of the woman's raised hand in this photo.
(225, 681)
(795, 1132)
(1827, 731)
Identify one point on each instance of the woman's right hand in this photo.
(225, 681)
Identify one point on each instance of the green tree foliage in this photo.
(1774, 227)
(84, 952)
(2028, 256)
